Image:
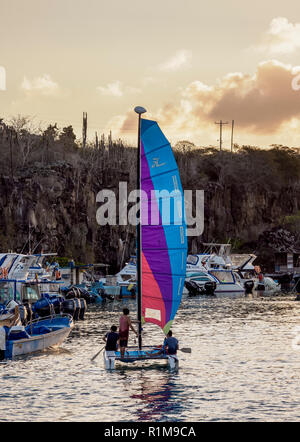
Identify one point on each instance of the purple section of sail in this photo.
(162, 265)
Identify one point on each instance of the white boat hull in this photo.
(38, 343)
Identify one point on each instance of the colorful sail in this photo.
(163, 231)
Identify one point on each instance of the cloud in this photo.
(282, 37)
(43, 85)
(117, 89)
(149, 80)
(262, 104)
(2, 78)
(178, 61)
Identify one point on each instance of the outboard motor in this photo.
(193, 288)
(82, 308)
(23, 314)
(210, 288)
(68, 306)
(248, 285)
(71, 294)
(101, 292)
(260, 287)
(105, 296)
(43, 307)
(57, 302)
(297, 283)
(77, 308)
(89, 297)
(133, 293)
(29, 311)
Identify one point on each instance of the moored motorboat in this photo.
(38, 335)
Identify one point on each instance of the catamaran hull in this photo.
(111, 357)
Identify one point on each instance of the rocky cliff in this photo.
(48, 202)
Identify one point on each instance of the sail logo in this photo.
(157, 207)
(156, 163)
(2, 79)
(153, 314)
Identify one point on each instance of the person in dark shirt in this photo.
(112, 339)
(171, 347)
(170, 344)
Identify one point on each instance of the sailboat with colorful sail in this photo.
(161, 238)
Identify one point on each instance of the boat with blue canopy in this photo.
(161, 240)
(38, 335)
(23, 327)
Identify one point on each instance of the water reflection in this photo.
(242, 367)
(157, 398)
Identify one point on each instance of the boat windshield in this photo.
(192, 259)
(30, 293)
(201, 278)
(191, 274)
(223, 276)
(6, 292)
(126, 277)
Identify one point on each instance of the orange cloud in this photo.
(261, 104)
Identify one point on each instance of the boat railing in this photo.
(51, 317)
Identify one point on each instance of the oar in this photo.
(94, 357)
(186, 350)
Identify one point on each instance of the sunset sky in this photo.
(190, 63)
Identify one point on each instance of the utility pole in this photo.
(97, 141)
(232, 126)
(11, 155)
(221, 125)
(84, 129)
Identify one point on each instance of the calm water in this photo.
(243, 367)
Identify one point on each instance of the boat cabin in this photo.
(25, 292)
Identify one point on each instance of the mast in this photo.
(139, 110)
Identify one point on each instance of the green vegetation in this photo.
(247, 193)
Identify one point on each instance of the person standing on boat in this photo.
(171, 346)
(125, 325)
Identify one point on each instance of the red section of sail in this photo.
(153, 305)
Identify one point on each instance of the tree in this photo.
(184, 146)
(67, 138)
